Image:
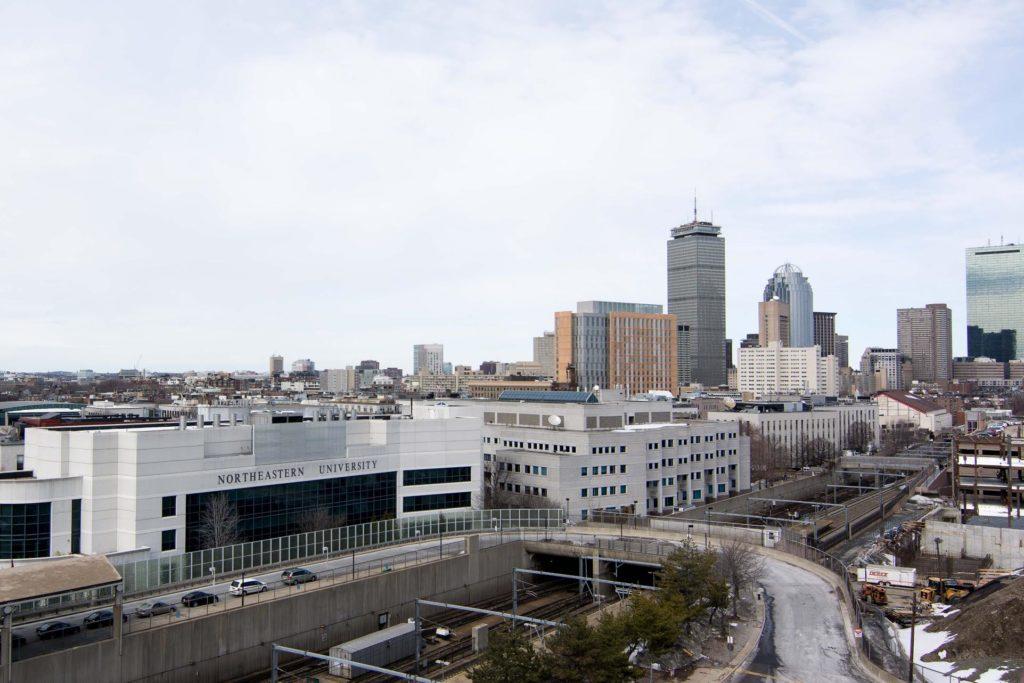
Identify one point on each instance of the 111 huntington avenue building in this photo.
(995, 302)
(140, 491)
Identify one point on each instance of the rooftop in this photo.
(52, 577)
(913, 402)
(549, 396)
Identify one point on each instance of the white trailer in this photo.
(885, 575)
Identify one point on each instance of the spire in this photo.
(695, 205)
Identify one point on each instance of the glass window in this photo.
(436, 501)
(622, 488)
(24, 530)
(169, 506)
(167, 539)
(76, 525)
(583, 493)
(622, 469)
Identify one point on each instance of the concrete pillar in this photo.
(118, 623)
(480, 635)
(5, 643)
(472, 544)
(597, 573)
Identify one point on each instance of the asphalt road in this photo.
(803, 639)
(325, 569)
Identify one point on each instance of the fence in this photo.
(160, 574)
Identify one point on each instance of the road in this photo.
(327, 570)
(803, 638)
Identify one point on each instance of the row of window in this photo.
(24, 530)
(606, 450)
(532, 445)
(602, 469)
(539, 470)
(438, 475)
(529, 490)
(436, 501)
(603, 491)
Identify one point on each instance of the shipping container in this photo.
(380, 648)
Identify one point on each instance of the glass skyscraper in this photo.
(789, 285)
(995, 302)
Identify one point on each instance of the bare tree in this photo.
(218, 525)
(741, 566)
(858, 437)
(899, 436)
(767, 457)
(318, 518)
(816, 452)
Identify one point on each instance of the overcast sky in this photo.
(203, 184)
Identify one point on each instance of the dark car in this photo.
(198, 598)
(151, 609)
(56, 629)
(100, 618)
(290, 577)
(18, 640)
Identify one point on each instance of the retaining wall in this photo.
(1006, 546)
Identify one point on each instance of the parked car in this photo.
(100, 618)
(151, 609)
(247, 587)
(290, 577)
(18, 640)
(198, 598)
(56, 629)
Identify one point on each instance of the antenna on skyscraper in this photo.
(695, 205)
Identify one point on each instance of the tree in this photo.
(859, 437)
(899, 436)
(318, 518)
(816, 452)
(650, 622)
(509, 658)
(579, 653)
(218, 524)
(689, 582)
(767, 456)
(740, 565)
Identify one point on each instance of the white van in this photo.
(247, 587)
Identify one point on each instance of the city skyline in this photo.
(558, 145)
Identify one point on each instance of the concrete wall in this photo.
(794, 490)
(1006, 546)
(235, 643)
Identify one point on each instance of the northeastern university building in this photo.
(143, 491)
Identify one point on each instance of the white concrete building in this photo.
(428, 359)
(144, 490)
(571, 450)
(896, 407)
(338, 380)
(776, 369)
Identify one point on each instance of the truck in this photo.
(379, 648)
(884, 575)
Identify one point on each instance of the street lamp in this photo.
(213, 571)
(937, 542)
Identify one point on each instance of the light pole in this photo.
(567, 511)
(913, 625)
(440, 536)
(213, 573)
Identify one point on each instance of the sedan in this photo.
(151, 609)
(198, 598)
(56, 629)
(290, 577)
(100, 618)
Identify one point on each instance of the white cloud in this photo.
(206, 188)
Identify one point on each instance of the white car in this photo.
(247, 587)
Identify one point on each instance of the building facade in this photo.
(925, 336)
(778, 369)
(900, 407)
(339, 380)
(773, 323)
(544, 353)
(99, 490)
(843, 350)
(276, 365)
(882, 369)
(428, 358)
(696, 297)
(825, 332)
(613, 344)
(789, 285)
(995, 302)
(303, 365)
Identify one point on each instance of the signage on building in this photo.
(278, 473)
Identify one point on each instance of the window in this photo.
(594, 491)
(76, 525)
(604, 469)
(696, 494)
(604, 490)
(437, 501)
(169, 506)
(544, 493)
(669, 501)
(622, 488)
(440, 475)
(544, 473)
(622, 469)
(622, 449)
(167, 539)
(721, 488)
(24, 530)
(583, 471)
(583, 493)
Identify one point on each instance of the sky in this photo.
(196, 185)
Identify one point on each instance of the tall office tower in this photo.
(752, 340)
(995, 302)
(303, 365)
(728, 354)
(544, 353)
(883, 370)
(925, 336)
(696, 297)
(773, 323)
(788, 284)
(428, 358)
(338, 380)
(843, 350)
(616, 345)
(825, 333)
(276, 365)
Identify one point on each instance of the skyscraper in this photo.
(696, 296)
(995, 302)
(611, 344)
(925, 336)
(843, 350)
(789, 285)
(773, 323)
(544, 353)
(428, 358)
(825, 332)
(882, 370)
(276, 365)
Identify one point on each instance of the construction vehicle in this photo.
(926, 594)
(950, 591)
(874, 594)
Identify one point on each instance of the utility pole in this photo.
(913, 624)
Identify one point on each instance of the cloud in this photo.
(342, 182)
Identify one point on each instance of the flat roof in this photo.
(53, 577)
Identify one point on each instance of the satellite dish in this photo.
(554, 420)
(597, 387)
(729, 402)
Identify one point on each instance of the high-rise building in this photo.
(772, 323)
(338, 380)
(276, 365)
(489, 367)
(611, 344)
(925, 336)
(789, 285)
(303, 365)
(995, 302)
(752, 339)
(843, 350)
(776, 369)
(696, 297)
(544, 353)
(367, 365)
(825, 332)
(883, 369)
(728, 355)
(428, 358)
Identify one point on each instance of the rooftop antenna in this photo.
(695, 205)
